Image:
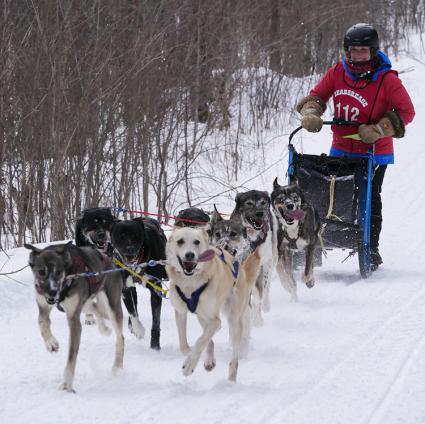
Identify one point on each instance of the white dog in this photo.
(204, 281)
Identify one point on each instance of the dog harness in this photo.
(292, 242)
(78, 266)
(235, 270)
(192, 302)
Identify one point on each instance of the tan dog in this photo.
(203, 281)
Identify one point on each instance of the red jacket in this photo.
(366, 102)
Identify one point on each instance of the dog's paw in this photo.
(117, 370)
(189, 365)
(90, 320)
(52, 345)
(155, 345)
(309, 281)
(233, 370)
(67, 387)
(209, 364)
(136, 327)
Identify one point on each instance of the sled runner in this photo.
(340, 188)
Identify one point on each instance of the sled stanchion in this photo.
(291, 163)
(364, 253)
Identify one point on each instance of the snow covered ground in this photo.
(351, 351)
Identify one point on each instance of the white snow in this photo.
(350, 351)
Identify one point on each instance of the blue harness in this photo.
(192, 302)
(235, 271)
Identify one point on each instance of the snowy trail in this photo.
(337, 356)
(365, 378)
(351, 351)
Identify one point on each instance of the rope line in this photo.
(143, 279)
(330, 213)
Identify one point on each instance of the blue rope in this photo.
(158, 280)
(95, 274)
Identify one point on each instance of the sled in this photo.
(340, 188)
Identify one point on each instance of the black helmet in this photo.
(362, 35)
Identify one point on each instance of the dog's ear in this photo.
(236, 216)
(140, 222)
(275, 184)
(216, 216)
(32, 248)
(80, 240)
(238, 199)
(34, 251)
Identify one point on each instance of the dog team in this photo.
(214, 266)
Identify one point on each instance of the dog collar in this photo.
(192, 302)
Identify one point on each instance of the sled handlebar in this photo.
(338, 122)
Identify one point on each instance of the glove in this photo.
(311, 122)
(311, 109)
(370, 134)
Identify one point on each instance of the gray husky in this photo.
(230, 235)
(299, 227)
(252, 209)
(56, 270)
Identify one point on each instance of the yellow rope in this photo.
(140, 277)
(332, 199)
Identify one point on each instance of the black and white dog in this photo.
(299, 227)
(253, 211)
(136, 241)
(94, 229)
